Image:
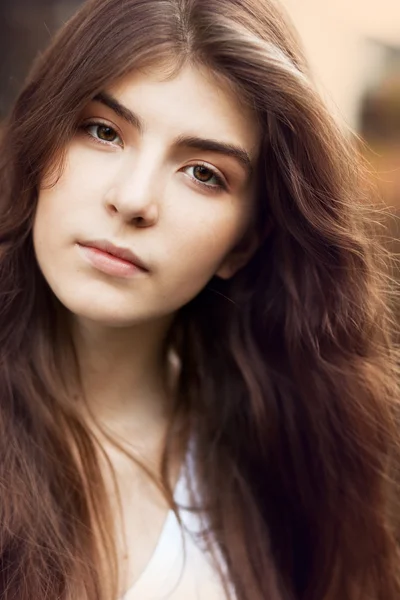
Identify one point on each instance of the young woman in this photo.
(197, 382)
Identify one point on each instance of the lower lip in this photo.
(109, 264)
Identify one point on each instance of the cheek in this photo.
(45, 235)
(50, 221)
(200, 247)
(55, 214)
(62, 200)
(209, 236)
(61, 205)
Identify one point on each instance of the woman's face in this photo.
(161, 169)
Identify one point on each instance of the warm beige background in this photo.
(345, 42)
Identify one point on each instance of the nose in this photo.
(133, 195)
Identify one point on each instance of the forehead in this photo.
(194, 101)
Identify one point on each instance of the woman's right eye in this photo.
(104, 134)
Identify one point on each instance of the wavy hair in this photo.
(288, 370)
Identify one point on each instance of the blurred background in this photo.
(354, 51)
(353, 47)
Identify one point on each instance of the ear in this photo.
(243, 251)
(239, 256)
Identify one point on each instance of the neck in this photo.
(126, 376)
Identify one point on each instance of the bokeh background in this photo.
(353, 47)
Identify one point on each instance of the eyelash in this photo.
(216, 187)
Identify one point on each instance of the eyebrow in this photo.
(182, 141)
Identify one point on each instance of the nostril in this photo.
(112, 208)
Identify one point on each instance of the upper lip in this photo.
(117, 251)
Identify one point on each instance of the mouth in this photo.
(111, 259)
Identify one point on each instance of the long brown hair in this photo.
(287, 369)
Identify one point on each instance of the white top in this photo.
(180, 568)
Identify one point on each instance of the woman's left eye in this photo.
(202, 175)
(102, 133)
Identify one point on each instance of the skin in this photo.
(138, 190)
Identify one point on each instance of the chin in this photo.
(106, 321)
(99, 311)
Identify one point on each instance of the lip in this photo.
(116, 251)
